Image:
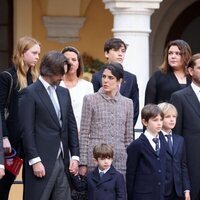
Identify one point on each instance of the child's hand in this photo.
(187, 195)
(2, 173)
(82, 170)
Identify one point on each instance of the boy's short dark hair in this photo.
(114, 43)
(103, 151)
(151, 111)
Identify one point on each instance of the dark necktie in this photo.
(156, 141)
(169, 141)
(101, 174)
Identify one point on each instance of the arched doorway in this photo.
(187, 27)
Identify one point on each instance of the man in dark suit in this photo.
(49, 133)
(115, 50)
(187, 102)
(2, 172)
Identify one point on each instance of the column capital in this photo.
(132, 6)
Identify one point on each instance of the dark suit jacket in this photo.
(1, 144)
(188, 125)
(42, 133)
(11, 125)
(129, 88)
(160, 87)
(176, 168)
(145, 173)
(110, 187)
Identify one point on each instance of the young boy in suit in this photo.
(177, 184)
(105, 182)
(145, 173)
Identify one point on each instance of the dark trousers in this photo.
(5, 185)
(58, 187)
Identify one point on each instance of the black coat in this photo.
(188, 125)
(42, 133)
(160, 87)
(129, 89)
(11, 125)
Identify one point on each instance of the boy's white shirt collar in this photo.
(104, 171)
(165, 133)
(149, 135)
(150, 138)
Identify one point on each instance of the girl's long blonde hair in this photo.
(23, 45)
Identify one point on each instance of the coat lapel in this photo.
(176, 144)
(164, 141)
(96, 177)
(123, 86)
(44, 96)
(107, 176)
(147, 143)
(192, 99)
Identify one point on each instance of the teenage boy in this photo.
(115, 50)
(105, 182)
(177, 184)
(145, 173)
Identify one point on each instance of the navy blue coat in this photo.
(145, 175)
(176, 168)
(129, 88)
(110, 187)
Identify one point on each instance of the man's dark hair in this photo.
(114, 43)
(53, 64)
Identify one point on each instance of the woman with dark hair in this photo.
(12, 81)
(72, 80)
(107, 117)
(172, 75)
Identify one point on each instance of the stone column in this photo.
(132, 25)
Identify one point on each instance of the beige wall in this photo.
(96, 29)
